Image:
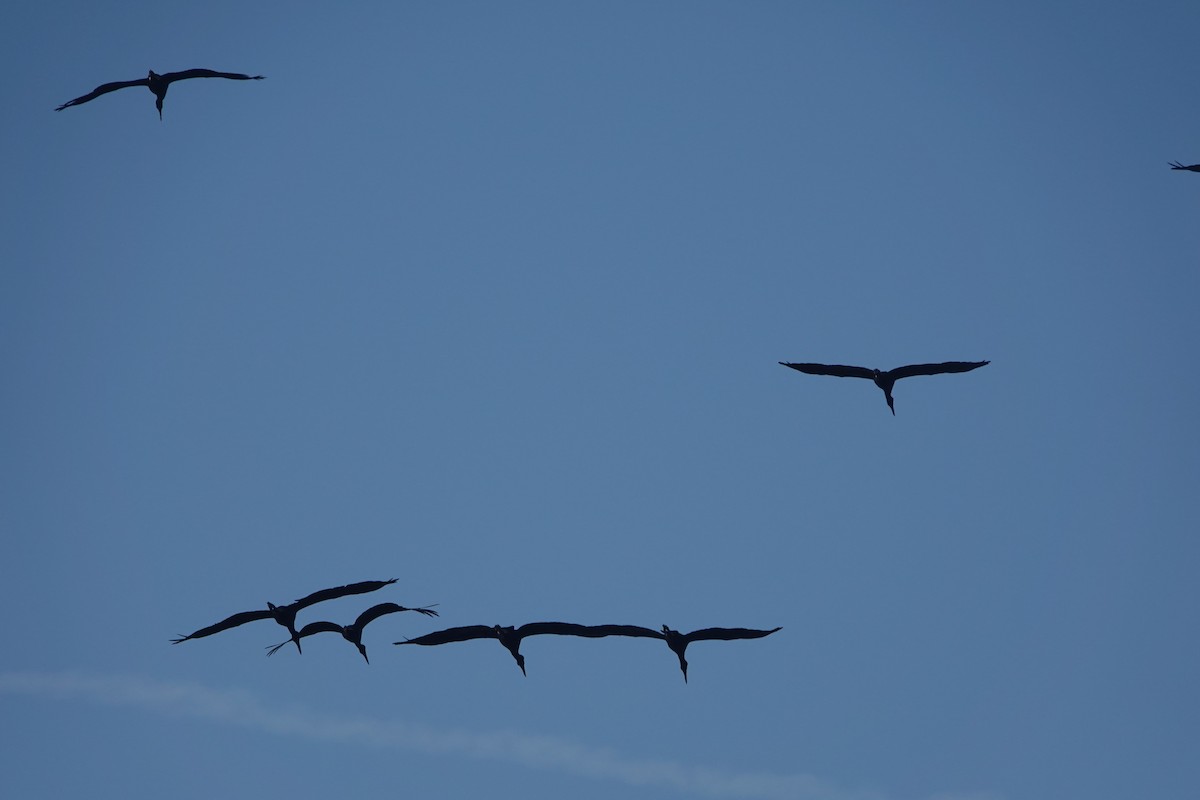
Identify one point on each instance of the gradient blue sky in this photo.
(489, 297)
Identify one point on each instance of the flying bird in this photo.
(286, 615)
(678, 642)
(157, 84)
(1177, 165)
(511, 637)
(886, 380)
(353, 632)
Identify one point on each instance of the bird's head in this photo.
(152, 75)
(271, 605)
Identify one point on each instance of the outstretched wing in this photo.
(454, 635)
(104, 89)
(934, 369)
(208, 73)
(623, 630)
(375, 612)
(340, 591)
(727, 634)
(226, 624)
(320, 626)
(308, 630)
(1174, 165)
(837, 370)
(571, 629)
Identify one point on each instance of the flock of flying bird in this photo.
(509, 636)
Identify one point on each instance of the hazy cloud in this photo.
(245, 710)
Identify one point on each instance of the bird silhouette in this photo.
(511, 637)
(285, 615)
(678, 642)
(157, 84)
(353, 632)
(886, 380)
(1177, 165)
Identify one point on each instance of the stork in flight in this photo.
(286, 615)
(678, 642)
(1177, 165)
(353, 632)
(511, 637)
(886, 380)
(157, 84)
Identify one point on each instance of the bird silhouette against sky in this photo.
(157, 84)
(353, 632)
(511, 637)
(678, 642)
(886, 380)
(1177, 165)
(286, 615)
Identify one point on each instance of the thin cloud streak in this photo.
(245, 710)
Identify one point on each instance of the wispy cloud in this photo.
(244, 709)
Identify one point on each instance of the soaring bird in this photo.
(286, 615)
(886, 380)
(1177, 165)
(678, 642)
(511, 637)
(158, 85)
(353, 632)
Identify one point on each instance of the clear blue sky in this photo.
(488, 298)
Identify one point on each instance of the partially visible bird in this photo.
(678, 642)
(886, 380)
(1177, 165)
(285, 615)
(158, 85)
(353, 632)
(511, 637)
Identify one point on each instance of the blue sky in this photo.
(488, 298)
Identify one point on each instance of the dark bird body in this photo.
(353, 632)
(886, 380)
(511, 637)
(678, 642)
(157, 84)
(286, 615)
(1177, 165)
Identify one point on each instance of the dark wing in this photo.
(308, 630)
(571, 629)
(621, 630)
(376, 612)
(837, 370)
(454, 635)
(934, 369)
(320, 626)
(208, 73)
(727, 634)
(1174, 165)
(104, 89)
(226, 624)
(340, 591)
